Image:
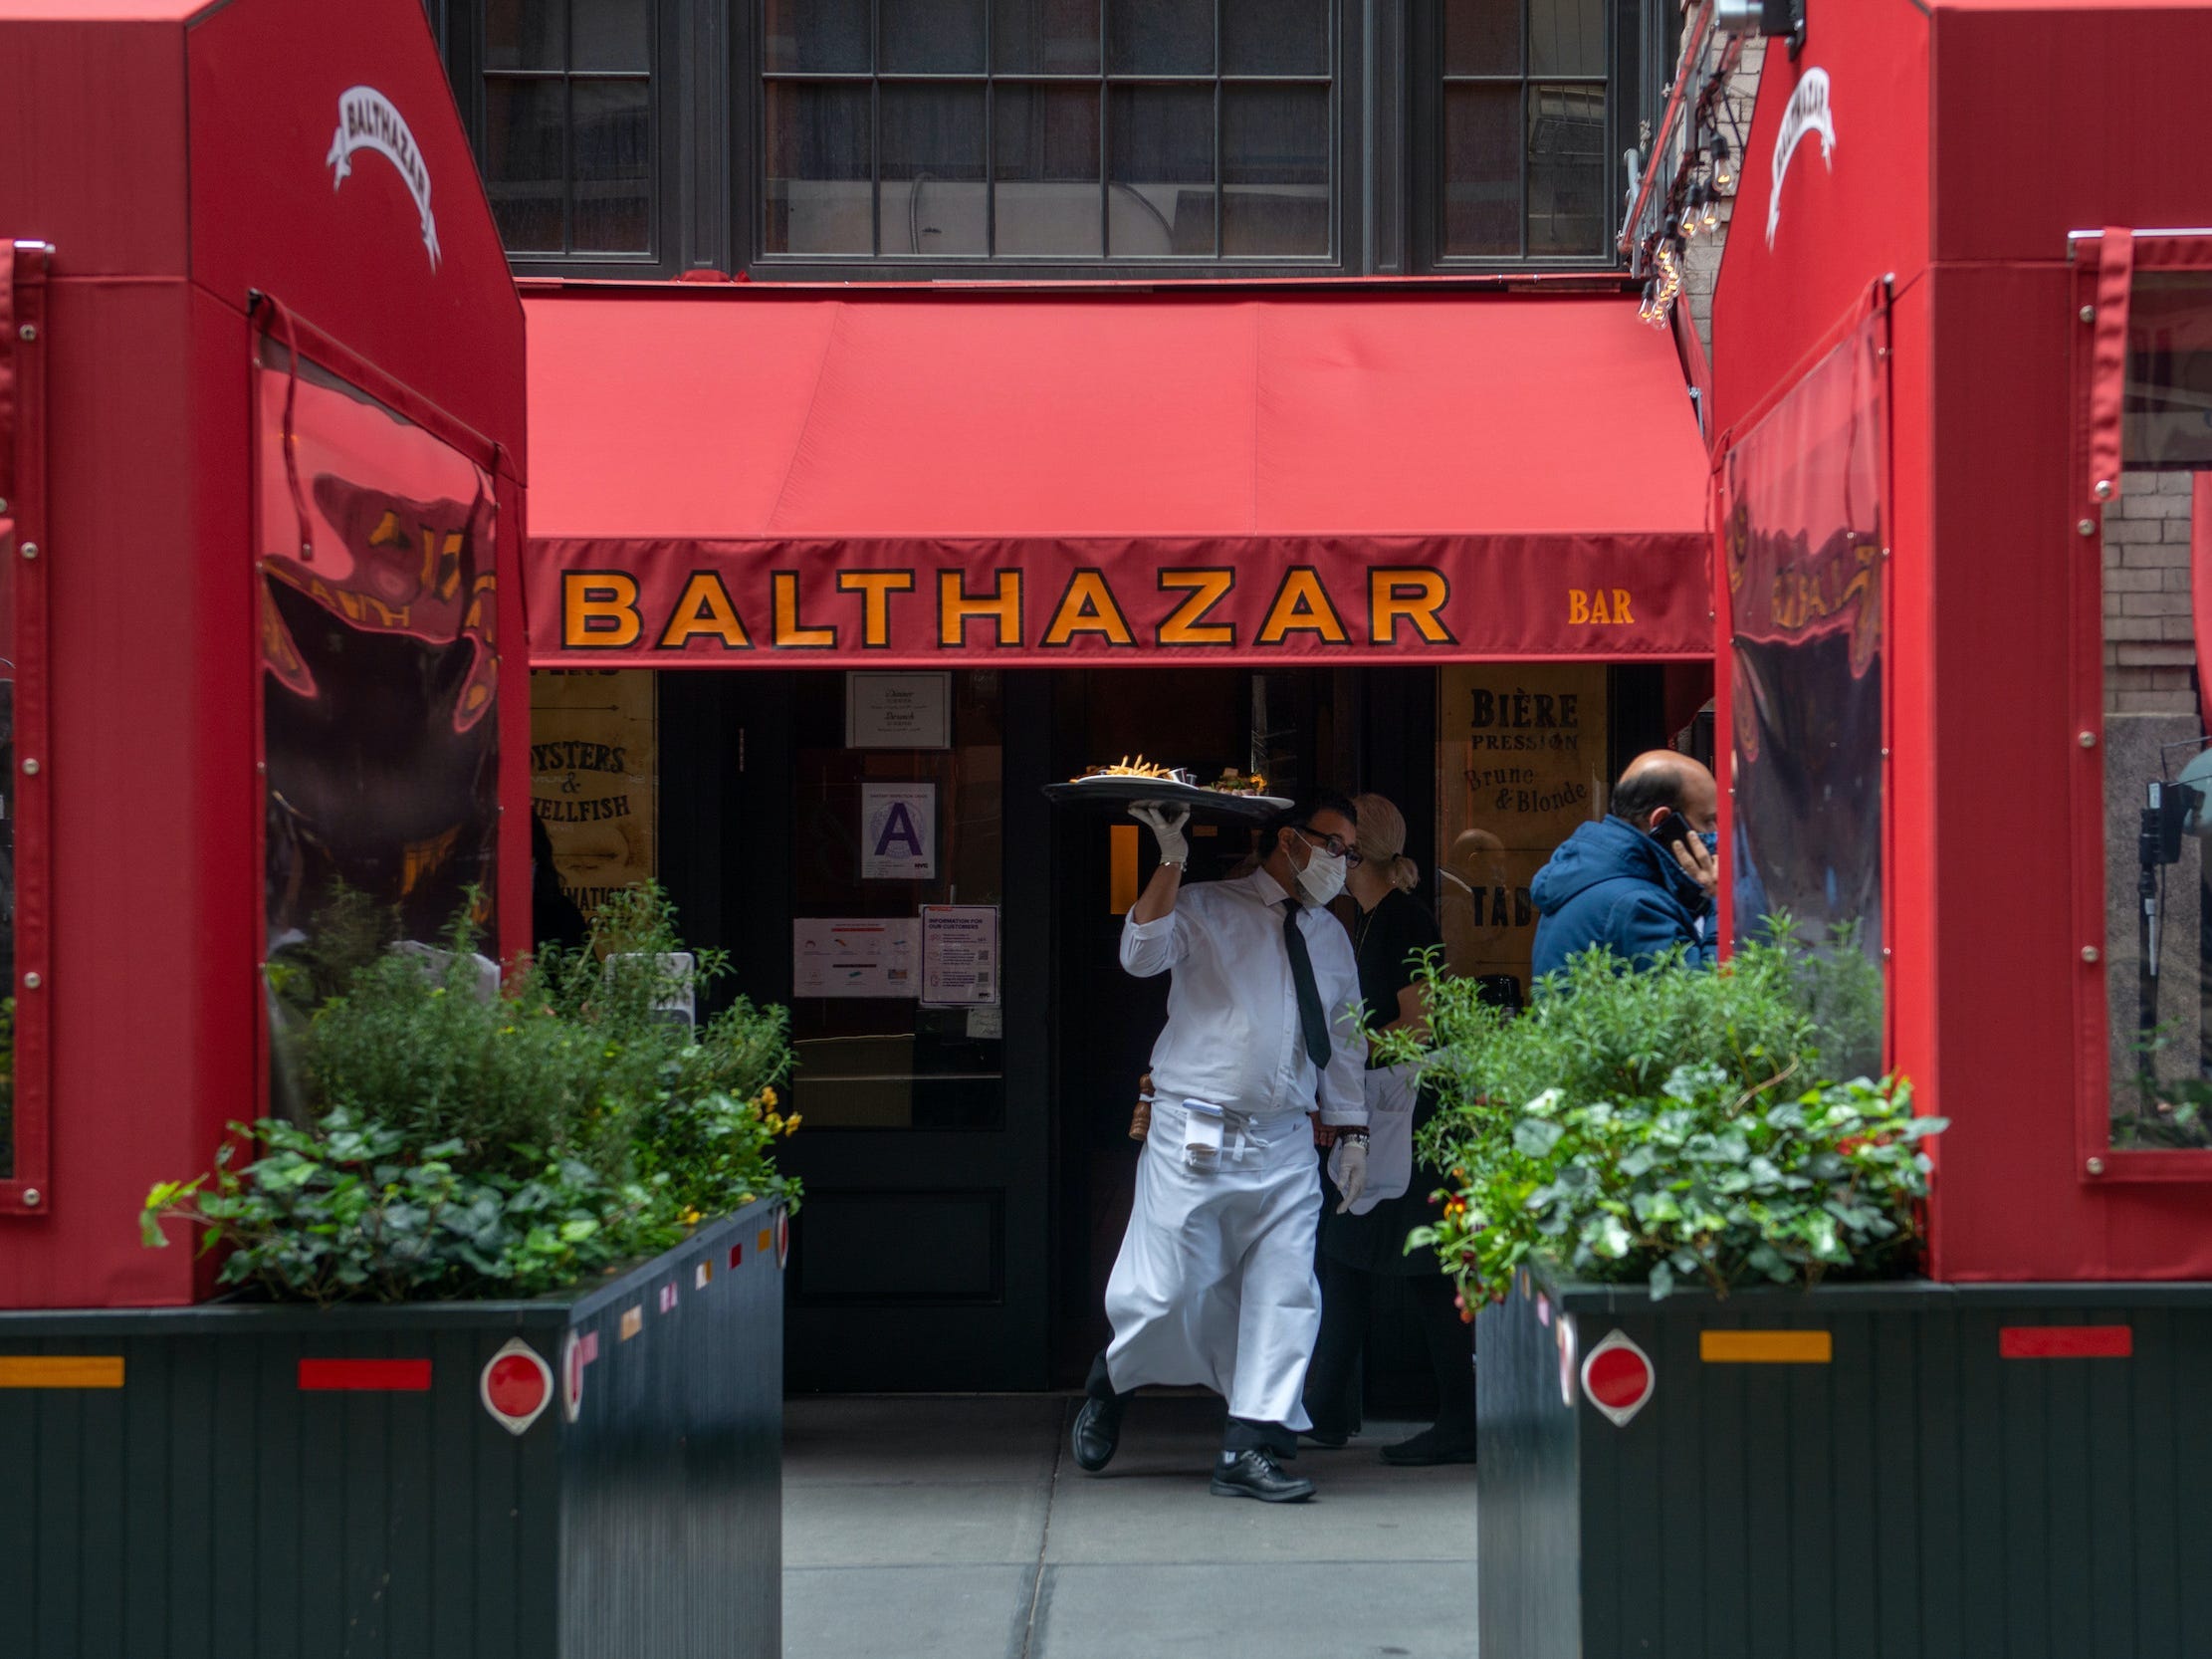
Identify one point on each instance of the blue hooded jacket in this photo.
(1611, 885)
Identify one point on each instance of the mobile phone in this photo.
(1671, 831)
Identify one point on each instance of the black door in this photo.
(834, 837)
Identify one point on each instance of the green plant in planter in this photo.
(1667, 1125)
(464, 1144)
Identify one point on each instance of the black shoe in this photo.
(1324, 1439)
(1097, 1433)
(1255, 1474)
(1431, 1446)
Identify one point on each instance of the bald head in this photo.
(1663, 780)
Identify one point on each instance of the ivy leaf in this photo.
(1535, 1137)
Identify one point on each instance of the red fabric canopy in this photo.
(1236, 475)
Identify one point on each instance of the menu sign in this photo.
(1521, 761)
(898, 711)
(592, 771)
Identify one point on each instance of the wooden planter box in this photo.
(2013, 1469)
(243, 1482)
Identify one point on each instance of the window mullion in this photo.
(1221, 191)
(875, 128)
(1105, 154)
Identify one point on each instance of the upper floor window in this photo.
(923, 130)
(1523, 160)
(566, 137)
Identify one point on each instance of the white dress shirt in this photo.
(1233, 1038)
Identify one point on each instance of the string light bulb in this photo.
(1710, 216)
(1723, 175)
(1669, 283)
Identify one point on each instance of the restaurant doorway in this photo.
(965, 1148)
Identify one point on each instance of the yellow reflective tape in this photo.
(1765, 1347)
(633, 1322)
(60, 1370)
(766, 1242)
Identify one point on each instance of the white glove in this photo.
(1166, 830)
(1350, 1172)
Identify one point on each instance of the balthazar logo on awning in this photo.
(1808, 113)
(366, 119)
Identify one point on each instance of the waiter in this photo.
(1214, 1283)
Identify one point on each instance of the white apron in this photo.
(1214, 1281)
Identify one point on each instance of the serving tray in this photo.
(1116, 794)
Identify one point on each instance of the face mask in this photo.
(1712, 838)
(1323, 877)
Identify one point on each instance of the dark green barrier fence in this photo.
(234, 1482)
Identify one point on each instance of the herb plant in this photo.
(1669, 1126)
(464, 1144)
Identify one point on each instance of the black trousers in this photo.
(1332, 1380)
(1241, 1435)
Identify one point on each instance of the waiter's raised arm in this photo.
(1150, 943)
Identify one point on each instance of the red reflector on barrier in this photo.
(365, 1376)
(516, 1386)
(1617, 1378)
(2065, 1341)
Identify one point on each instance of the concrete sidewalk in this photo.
(958, 1528)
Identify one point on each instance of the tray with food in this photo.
(1239, 795)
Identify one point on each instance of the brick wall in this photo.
(1701, 265)
(2150, 729)
(2149, 644)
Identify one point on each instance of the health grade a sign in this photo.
(737, 602)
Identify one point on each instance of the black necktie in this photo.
(1316, 1022)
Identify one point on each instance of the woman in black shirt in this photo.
(1390, 930)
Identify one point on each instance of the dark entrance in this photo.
(969, 1171)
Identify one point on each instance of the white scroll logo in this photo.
(368, 121)
(1808, 112)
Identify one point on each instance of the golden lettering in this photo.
(1187, 625)
(1302, 607)
(1410, 595)
(598, 610)
(791, 632)
(1088, 607)
(704, 609)
(957, 607)
(875, 588)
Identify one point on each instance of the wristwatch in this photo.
(1356, 1132)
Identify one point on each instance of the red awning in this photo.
(899, 476)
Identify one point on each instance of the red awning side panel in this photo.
(92, 153)
(180, 156)
(1833, 194)
(1228, 601)
(330, 168)
(2045, 113)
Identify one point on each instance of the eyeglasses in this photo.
(1334, 845)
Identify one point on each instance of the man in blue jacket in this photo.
(1618, 883)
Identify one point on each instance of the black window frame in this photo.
(1630, 24)
(707, 180)
(1347, 206)
(465, 65)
